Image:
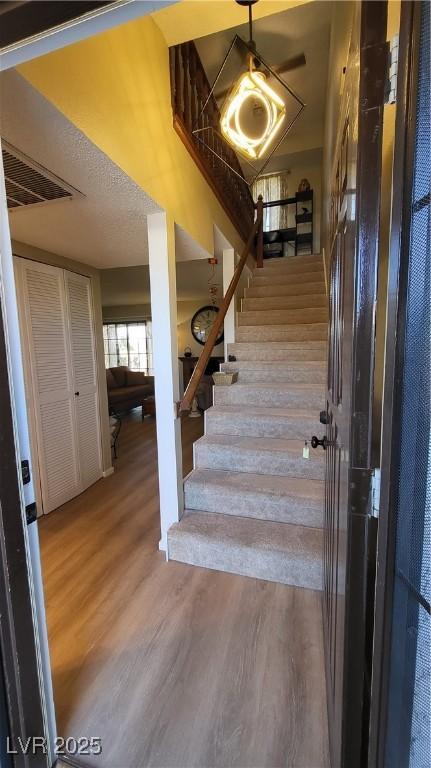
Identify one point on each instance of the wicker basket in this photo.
(225, 378)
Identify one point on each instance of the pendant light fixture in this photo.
(252, 85)
(255, 105)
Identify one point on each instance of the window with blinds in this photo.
(129, 344)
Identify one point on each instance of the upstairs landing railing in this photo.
(253, 245)
(217, 161)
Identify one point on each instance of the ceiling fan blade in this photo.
(287, 66)
(294, 63)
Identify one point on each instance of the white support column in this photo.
(229, 321)
(161, 246)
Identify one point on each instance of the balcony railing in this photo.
(215, 158)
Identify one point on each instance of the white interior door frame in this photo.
(28, 388)
(22, 441)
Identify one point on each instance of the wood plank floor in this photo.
(173, 665)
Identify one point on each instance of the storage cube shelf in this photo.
(299, 239)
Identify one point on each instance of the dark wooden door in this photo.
(354, 229)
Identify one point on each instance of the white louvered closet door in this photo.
(84, 375)
(44, 306)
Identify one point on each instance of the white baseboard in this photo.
(107, 472)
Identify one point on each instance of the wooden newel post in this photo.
(259, 244)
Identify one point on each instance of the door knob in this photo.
(315, 442)
(76, 394)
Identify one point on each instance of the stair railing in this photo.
(215, 158)
(254, 244)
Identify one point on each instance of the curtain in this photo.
(273, 186)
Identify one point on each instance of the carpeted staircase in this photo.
(254, 505)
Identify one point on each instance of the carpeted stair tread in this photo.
(295, 316)
(265, 497)
(273, 365)
(301, 261)
(263, 455)
(283, 332)
(262, 410)
(301, 301)
(280, 552)
(279, 288)
(274, 372)
(274, 277)
(279, 351)
(261, 421)
(277, 395)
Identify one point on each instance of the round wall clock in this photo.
(202, 322)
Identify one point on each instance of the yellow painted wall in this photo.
(115, 88)
(191, 19)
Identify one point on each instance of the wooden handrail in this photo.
(206, 353)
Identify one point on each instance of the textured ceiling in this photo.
(107, 227)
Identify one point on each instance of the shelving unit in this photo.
(298, 238)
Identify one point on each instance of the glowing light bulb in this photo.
(252, 85)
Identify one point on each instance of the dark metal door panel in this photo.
(401, 688)
(353, 289)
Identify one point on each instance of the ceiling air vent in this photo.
(28, 183)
